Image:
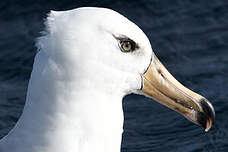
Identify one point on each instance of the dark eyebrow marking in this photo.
(125, 38)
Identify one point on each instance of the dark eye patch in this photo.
(125, 40)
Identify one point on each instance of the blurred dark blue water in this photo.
(189, 36)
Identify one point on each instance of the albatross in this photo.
(88, 59)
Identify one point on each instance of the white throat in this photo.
(67, 117)
(79, 77)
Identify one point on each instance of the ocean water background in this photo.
(189, 36)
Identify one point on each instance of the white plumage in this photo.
(79, 77)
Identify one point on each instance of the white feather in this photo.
(79, 77)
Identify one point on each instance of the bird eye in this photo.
(126, 46)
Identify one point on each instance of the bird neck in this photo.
(82, 120)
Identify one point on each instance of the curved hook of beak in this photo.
(160, 85)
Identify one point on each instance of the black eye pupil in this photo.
(127, 45)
